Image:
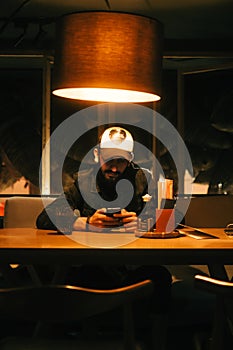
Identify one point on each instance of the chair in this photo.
(222, 330)
(23, 211)
(210, 211)
(61, 304)
(193, 306)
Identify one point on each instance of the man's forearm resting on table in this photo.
(80, 224)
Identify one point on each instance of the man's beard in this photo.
(107, 186)
(111, 177)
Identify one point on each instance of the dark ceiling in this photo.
(190, 24)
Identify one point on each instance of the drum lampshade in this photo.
(108, 57)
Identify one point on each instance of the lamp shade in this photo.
(109, 57)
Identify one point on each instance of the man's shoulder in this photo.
(141, 171)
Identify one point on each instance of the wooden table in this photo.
(32, 246)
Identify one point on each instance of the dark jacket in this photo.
(94, 190)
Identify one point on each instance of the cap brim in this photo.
(113, 153)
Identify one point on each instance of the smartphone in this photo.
(111, 211)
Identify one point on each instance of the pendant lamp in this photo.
(108, 57)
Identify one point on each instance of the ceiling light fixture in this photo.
(108, 57)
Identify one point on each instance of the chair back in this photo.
(59, 303)
(53, 304)
(210, 211)
(23, 211)
(222, 327)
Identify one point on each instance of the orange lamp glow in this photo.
(108, 57)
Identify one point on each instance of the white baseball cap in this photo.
(116, 142)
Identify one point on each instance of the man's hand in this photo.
(128, 219)
(100, 220)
